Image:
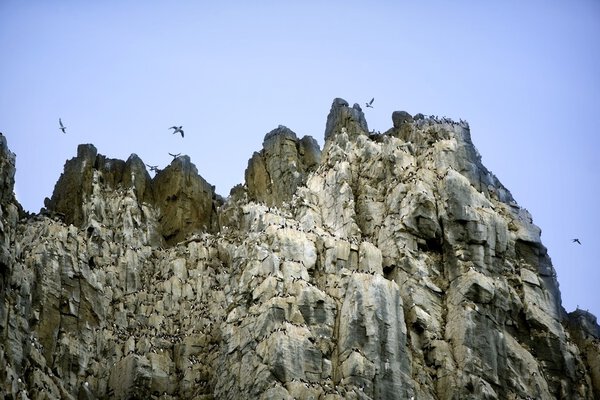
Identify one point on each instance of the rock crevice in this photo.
(388, 266)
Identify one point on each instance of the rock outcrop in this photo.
(344, 118)
(387, 267)
(178, 196)
(187, 203)
(274, 173)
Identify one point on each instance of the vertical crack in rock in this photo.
(387, 266)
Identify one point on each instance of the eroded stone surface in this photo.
(187, 203)
(388, 269)
(274, 173)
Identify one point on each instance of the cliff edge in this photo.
(384, 266)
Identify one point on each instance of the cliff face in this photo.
(389, 266)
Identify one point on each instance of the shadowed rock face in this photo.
(274, 173)
(7, 173)
(75, 184)
(182, 201)
(380, 269)
(187, 203)
(9, 214)
(343, 118)
(90, 172)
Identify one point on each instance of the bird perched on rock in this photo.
(174, 155)
(370, 104)
(576, 241)
(62, 127)
(177, 129)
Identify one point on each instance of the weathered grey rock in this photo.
(9, 212)
(343, 118)
(400, 118)
(90, 172)
(7, 172)
(391, 269)
(136, 176)
(372, 339)
(74, 185)
(274, 173)
(585, 332)
(131, 377)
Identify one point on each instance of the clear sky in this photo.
(525, 74)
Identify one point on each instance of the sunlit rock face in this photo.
(387, 266)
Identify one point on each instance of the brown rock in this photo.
(187, 202)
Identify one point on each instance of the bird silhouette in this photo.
(177, 129)
(62, 127)
(174, 155)
(153, 168)
(576, 241)
(370, 104)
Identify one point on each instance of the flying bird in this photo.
(153, 168)
(177, 129)
(62, 127)
(576, 241)
(370, 104)
(174, 155)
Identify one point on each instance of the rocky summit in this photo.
(383, 266)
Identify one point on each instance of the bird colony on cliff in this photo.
(383, 266)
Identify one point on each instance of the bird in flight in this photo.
(62, 127)
(174, 155)
(153, 168)
(576, 241)
(177, 129)
(370, 104)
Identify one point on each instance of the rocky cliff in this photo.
(388, 266)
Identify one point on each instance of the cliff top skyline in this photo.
(386, 266)
(119, 76)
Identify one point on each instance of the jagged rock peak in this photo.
(10, 210)
(89, 173)
(399, 269)
(280, 131)
(283, 164)
(178, 200)
(344, 118)
(187, 202)
(7, 172)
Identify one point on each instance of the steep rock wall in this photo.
(397, 267)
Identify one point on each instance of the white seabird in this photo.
(62, 127)
(177, 129)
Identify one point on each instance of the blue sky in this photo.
(526, 75)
